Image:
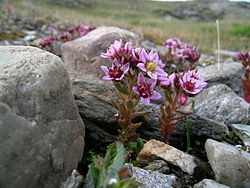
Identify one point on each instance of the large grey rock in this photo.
(230, 165)
(83, 54)
(228, 73)
(152, 179)
(207, 183)
(93, 98)
(41, 132)
(242, 131)
(220, 103)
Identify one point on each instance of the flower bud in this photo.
(182, 100)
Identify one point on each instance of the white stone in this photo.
(207, 183)
(170, 154)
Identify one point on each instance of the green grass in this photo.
(140, 16)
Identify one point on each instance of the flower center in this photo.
(115, 72)
(151, 66)
(145, 90)
(189, 85)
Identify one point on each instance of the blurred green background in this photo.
(193, 22)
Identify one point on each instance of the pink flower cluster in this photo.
(181, 51)
(245, 60)
(244, 57)
(67, 35)
(47, 42)
(80, 30)
(128, 61)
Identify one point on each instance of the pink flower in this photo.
(47, 42)
(188, 53)
(151, 64)
(116, 72)
(247, 69)
(136, 52)
(191, 83)
(239, 56)
(65, 36)
(182, 100)
(119, 52)
(175, 79)
(52, 29)
(172, 43)
(145, 90)
(164, 82)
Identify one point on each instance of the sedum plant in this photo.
(135, 73)
(185, 82)
(108, 173)
(245, 60)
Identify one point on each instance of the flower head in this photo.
(175, 79)
(151, 64)
(188, 53)
(65, 36)
(52, 29)
(116, 72)
(136, 52)
(172, 43)
(191, 83)
(247, 69)
(47, 42)
(239, 56)
(164, 81)
(145, 90)
(119, 52)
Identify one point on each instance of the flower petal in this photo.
(142, 67)
(160, 72)
(140, 79)
(156, 95)
(152, 75)
(125, 68)
(151, 82)
(136, 91)
(145, 100)
(107, 78)
(105, 69)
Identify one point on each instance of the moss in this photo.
(11, 36)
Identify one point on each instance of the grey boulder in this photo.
(228, 73)
(42, 134)
(220, 103)
(83, 54)
(230, 165)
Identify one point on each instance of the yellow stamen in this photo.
(151, 66)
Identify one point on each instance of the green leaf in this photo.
(134, 125)
(103, 179)
(118, 161)
(138, 114)
(129, 105)
(107, 160)
(92, 177)
(120, 87)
